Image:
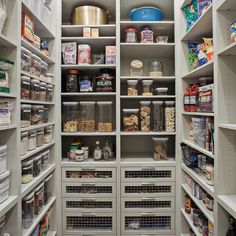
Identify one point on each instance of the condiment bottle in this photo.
(97, 154)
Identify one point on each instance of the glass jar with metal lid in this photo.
(48, 134)
(32, 141)
(25, 115)
(49, 93)
(40, 137)
(24, 143)
(72, 81)
(37, 114)
(28, 210)
(35, 65)
(25, 59)
(105, 116)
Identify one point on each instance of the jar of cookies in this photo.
(130, 120)
(105, 116)
(87, 121)
(145, 115)
(132, 88)
(160, 148)
(70, 116)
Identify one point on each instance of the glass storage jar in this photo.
(147, 87)
(145, 116)
(38, 199)
(26, 171)
(28, 210)
(37, 165)
(105, 116)
(161, 91)
(25, 60)
(47, 189)
(49, 93)
(87, 121)
(155, 68)
(72, 81)
(39, 137)
(24, 143)
(158, 116)
(42, 91)
(136, 68)
(25, 115)
(169, 116)
(131, 35)
(35, 65)
(70, 116)
(44, 158)
(32, 141)
(132, 88)
(48, 134)
(44, 69)
(37, 114)
(160, 148)
(130, 119)
(25, 87)
(34, 89)
(50, 77)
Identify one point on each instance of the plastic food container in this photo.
(50, 77)
(87, 121)
(28, 210)
(40, 137)
(49, 93)
(3, 158)
(155, 68)
(44, 68)
(34, 89)
(161, 91)
(47, 192)
(25, 60)
(147, 87)
(24, 143)
(48, 134)
(145, 116)
(158, 116)
(79, 155)
(44, 158)
(25, 87)
(105, 116)
(42, 91)
(70, 116)
(25, 115)
(131, 35)
(35, 65)
(37, 165)
(132, 88)
(26, 171)
(162, 39)
(37, 115)
(136, 68)
(146, 14)
(169, 116)
(4, 186)
(160, 148)
(32, 140)
(38, 199)
(130, 119)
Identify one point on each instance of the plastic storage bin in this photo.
(28, 210)
(34, 89)
(25, 87)
(25, 60)
(87, 121)
(161, 91)
(37, 115)
(3, 158)
(48, 134)
(160, 148)
(158, 116)
(4, 186)
(32, 140)
(147, 87)
(44, 158)
(145, 116)
(70, 116)
(132, 87)
(155, 68)
(105, 116)
(40, 137)
(130, 119)
(169, 116)
(42, 91)
(37, 165)
(35, 65)
(26, 172)
(49, 95)
(38, 199)
(25, 115)
(24, 143)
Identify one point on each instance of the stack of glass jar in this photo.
(80, 117)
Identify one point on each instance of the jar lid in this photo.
(170, 102)
(42, 84)
(24, 134)
(84, 45)
(25, 78)
(73, 147)
(130, 110)
(105, 103)
(80, 152)
(50, 75)
(45, 153)
(49, 127)
(131, 29)
(29, 197)
(85, 148)
(32, 133)
(35, 81)
(87, 103)
(27, 163)
(161, 89)
(132, 81)
(146, 27)
(25, 106)
(43, 63)
(37, 158)
(70, 103)
(160, 139)
(136, 64)
(147, 82)
(73, 72)
(145, 102)
(49, 86)
(158, 102)
(23, 49)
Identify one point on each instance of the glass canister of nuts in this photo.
(105, 116)
(70, 116)
(170, 116)
(87, 121)
(145, 115)
(130, 120)
(132, 89)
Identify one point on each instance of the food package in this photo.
(209, 48)
(203, 5)
(191, 14)
(69, 53)
(27, 27)
(110, 55)
(37, 41)
(199, 131)
(192, 56)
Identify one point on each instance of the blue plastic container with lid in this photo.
(146, 14)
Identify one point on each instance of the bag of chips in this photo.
(191, 13)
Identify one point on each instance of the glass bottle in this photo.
(107, 151)
(97, 154)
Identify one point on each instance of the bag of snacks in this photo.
(192, 56)
(191, 14)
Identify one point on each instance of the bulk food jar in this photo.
(42, 91)
(28, 210)
(70, 116)
(47, 191)
(132, 88)
(145, 115)
(147, 87)
(44, 158)
(48, 134)
(169, 116)
(49, 93)
(155, 68)
(105, 116)
(5, 65)
(25, 115)
(50, 77)
(160, 148)
(130, 119)
(35, 65)
(32, 140)
(24, 143)
(26, 171)
(25, 60)
(37, 114)
(87, 121)
(44, 69)
(39, 137)
(158, 116)
(25, 87)
(34, 89)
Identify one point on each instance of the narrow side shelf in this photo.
(228, 202)
(198, 113)
(6, 42)
(228, 126)
(229, 50)
(8, 205)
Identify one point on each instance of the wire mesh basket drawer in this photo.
(89, 174)
(89, 190)
(92, 223)
(148, 204)
(148, 174)
(89, 204)
(147, 223)
(151, 189)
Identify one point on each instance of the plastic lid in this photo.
(25, 78)
(23, 49)
(44, 63)
(35, 81)
(27, 163)
(3, 148)
(158, 102)
(45, 153)
(70, 103)
(160, 139)
(132, 81)
(79, 151)
(23, 106)
(42, 84)
(85, 148)
(162, 89)
(49, 85)
(105, 103)
(131, 29)
(29, 197)
(24, 134)
(87, 103)
(50, 75)
(38, 157)
(36, 57)
(4, 175)
(39, 187)
(147, 82)
(32, 132)
(170, 102)
(130, 110)
(145, 102)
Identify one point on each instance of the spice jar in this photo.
(26, 171)
(37, 166)
(169, 116)
(145, 116)
(87, 121)
(147, 35)
(105, 81)
(71, 115)
(35, 65)
(209, 202)
(130, 119)
(131, 35)
(86, 152)
(25, 87)
(47, 192)
(25, 59)
(147, 87)
(160, 148)
(24, 143)
(44, 158)
(38, 199)
(50, 77)
(49, 93)
(28, 210)
(209, 174)
(136, 68)
(34, 89)
(48, 135)
(32, 140)
(105, 116)
(42, 91)
(79, 155)
(72, 81)
(37, 114)
(158, 116)
(155, 68)
(85, 84)
(132, 89)
(25, 115)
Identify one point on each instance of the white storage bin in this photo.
(4, 186)
(3, 158)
